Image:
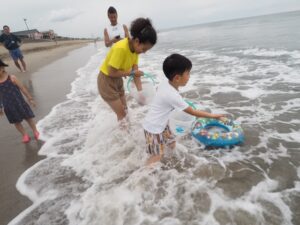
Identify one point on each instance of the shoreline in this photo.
(46, 68)
(38, 54)
(39, 46)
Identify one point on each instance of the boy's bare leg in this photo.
(17, 65)
(172, 145)
(153, 159)
(23, 64)
(32, 124)
(20, 128)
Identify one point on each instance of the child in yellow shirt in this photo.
(122, 61)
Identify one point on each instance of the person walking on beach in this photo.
(15, 107)
(12, 43)
(115, 31)
(122, 61)
(156, 123)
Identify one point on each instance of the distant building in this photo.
(33, 34)
(48, 34)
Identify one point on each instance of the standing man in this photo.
(12, 43)
(115, 31)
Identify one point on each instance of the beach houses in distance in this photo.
(34, 34)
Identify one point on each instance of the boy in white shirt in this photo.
(156, 123)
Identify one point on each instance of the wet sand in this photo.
(48, 70)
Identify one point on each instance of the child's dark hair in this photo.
(5, 26)
(142, 29)
(111, 10)
(176, 64)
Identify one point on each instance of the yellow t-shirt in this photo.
(120, 57)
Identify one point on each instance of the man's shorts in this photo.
(157, 143)
(16, 54)
(110, 88)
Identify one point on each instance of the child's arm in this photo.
(199, 113)
(113, 72)
(126, 31)
(137, 77)
(23, 89)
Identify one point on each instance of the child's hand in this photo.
(1, 112)
(138, 73)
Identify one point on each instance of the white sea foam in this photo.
(269, 52)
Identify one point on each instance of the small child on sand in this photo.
(15, 107)
(156, 123)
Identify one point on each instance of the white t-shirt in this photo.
(116, 30)
(166, 100)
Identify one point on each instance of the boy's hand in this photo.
(223, 119)
(1, 112)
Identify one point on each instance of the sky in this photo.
(88, 18)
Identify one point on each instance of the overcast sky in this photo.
(87, 18)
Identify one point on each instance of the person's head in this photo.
(2, 66)
(6, 29)
(112, 15)
(143, 35)
(177, 69)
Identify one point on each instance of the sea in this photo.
(95, 174)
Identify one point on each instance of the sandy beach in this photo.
(38, 54)
(43, 73)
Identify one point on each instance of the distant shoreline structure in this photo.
(34, 35)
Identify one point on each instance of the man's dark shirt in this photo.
(10, 41)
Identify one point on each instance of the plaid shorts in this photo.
(156, 143)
